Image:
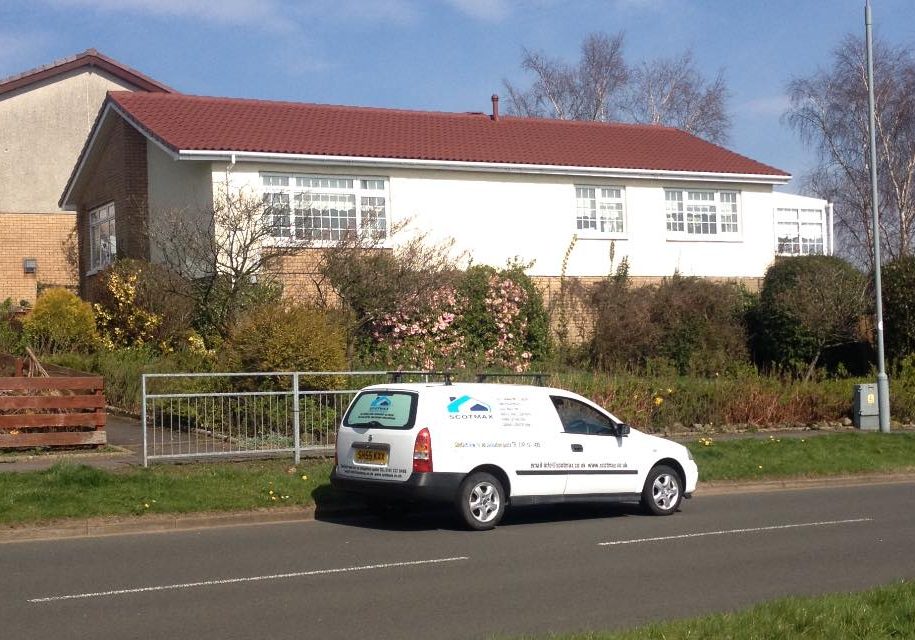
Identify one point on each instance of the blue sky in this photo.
(448, 55)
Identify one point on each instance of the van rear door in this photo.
(375, 440)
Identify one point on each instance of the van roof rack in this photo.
(398, 376)
(539, 378)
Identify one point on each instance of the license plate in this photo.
(371, 456)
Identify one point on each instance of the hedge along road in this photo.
(544, 570)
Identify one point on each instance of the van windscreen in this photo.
(382, 410)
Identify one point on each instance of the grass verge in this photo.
(70, 490)
(821, 455)
(884, 612)
(77, 491)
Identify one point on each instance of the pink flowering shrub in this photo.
(485, 321)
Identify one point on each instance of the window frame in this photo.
(296, 187)
(709, 214)
(106, 214)
(599, 199)
(799, 224)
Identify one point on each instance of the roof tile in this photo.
(185, 123)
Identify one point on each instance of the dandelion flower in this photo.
(304, 477)
(146, 504)
(760, 466)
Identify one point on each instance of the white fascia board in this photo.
(490, 167)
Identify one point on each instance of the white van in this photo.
(484, 446)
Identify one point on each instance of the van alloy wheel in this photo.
(482, 501)
(661, 495)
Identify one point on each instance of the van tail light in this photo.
(422, 452)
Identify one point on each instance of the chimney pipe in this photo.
(495, 107)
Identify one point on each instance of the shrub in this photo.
(899, 307)
(489, 319)
(807, 304)
(503, 320)
(10, 329)
(292, 338)
(687, 324)
(60, 322)
(141, 303)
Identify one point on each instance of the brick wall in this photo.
(34, 235)
(118, 174)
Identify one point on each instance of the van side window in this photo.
(577, 417)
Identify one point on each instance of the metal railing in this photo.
(201, 415)
(209, 415)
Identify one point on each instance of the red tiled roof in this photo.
(88, 58)
(185, 123)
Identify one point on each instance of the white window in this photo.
(324, 207)
(102, 237)
(800, 232)
(599, 209)
(702, 213)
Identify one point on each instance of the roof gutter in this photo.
(486, 167)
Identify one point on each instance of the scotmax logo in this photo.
(381, 402)
(466, 404)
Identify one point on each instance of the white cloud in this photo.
(766, 105)
(486, 10)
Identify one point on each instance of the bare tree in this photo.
(672, 92)
(587, 91)
(601, 86)
(227, 252)
(830, 113)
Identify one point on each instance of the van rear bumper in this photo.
(419, 487)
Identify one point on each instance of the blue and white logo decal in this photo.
(381, 402)
(467, 407)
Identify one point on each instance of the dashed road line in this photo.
(277, 576)
(824, 523)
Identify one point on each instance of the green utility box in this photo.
(867, 411)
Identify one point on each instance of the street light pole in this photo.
(883, 383)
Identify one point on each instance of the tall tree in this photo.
(587, 91)
(602, 87)
(672, 91)
(829, 111)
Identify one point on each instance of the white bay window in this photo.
(325, 208)
(800, 232)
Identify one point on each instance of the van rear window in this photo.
(382, 410)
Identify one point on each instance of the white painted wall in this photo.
(175, 188)
(498, 216)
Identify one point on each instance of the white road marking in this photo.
(825, 523)
(277, 576)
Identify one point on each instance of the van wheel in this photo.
(662, 493)
(481, 501)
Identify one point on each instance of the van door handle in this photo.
(577, 448)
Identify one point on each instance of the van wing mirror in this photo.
(622, 430)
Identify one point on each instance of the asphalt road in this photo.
(543, 570)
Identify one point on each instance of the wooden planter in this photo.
(64, 410)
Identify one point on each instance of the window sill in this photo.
(717, 238)
(596, 235)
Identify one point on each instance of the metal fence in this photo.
(210, 415)
(200, 415)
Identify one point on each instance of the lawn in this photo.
(819, 455)
(75, 491)
(885, 612)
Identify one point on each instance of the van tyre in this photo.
(663, 491)
(481, 501)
